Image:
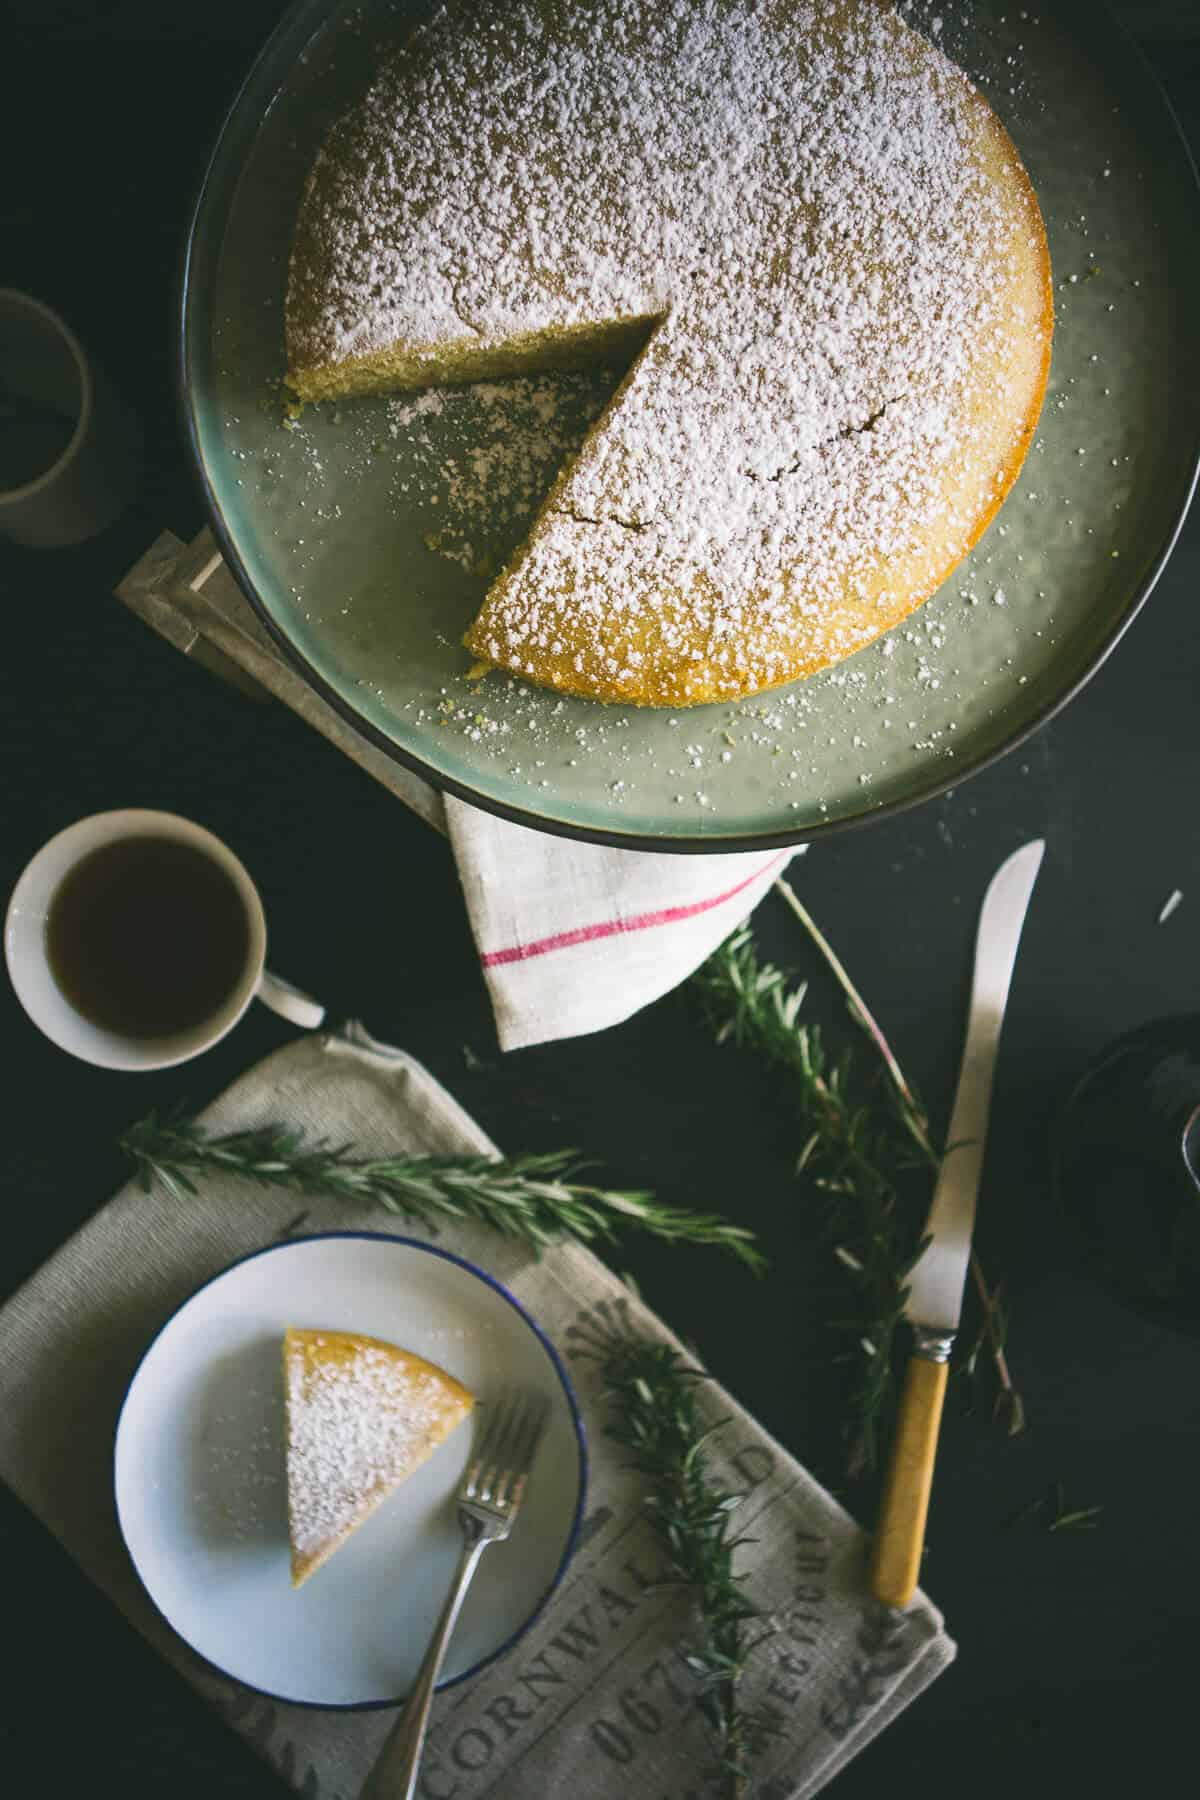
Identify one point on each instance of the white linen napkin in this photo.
(572, 937)
(575, 937)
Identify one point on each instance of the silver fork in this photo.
(488, 1501)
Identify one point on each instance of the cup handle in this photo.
(291, 1003)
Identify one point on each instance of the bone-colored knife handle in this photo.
(900, 1531)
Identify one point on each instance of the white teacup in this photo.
(43, 999)
(80, 476)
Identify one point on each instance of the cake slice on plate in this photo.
(361, 1416)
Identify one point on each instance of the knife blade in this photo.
(938, 1277)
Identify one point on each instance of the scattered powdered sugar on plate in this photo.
(508, 440)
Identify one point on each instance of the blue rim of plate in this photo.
(556, 1362)
(716, 844)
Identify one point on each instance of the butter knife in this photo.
(939, 1275)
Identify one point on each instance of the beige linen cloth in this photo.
(593, 1700)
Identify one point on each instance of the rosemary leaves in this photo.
(854, 1141)
(652, 1414)
(864, 1143)
(1053, 1513)
(535, 1197)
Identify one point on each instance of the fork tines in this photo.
(495, 1475)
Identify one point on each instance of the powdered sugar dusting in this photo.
(837, 262)
(358, 1422)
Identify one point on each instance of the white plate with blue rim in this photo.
(201, 1491)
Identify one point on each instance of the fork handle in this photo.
(394, 1774)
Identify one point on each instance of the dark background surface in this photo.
(1076, 1665)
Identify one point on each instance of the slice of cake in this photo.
(361, 1416)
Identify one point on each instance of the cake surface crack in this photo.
(841, 436)
(567, 512)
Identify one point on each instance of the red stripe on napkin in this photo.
(586, 934)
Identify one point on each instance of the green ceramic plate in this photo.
(345, 536)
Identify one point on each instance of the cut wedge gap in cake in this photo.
(362, 1415)
(615, 346)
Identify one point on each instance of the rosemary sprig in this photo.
(652, 1412)
(1007, 1405)
(912, 1112)
(534, 1196)
(855, 1147)
(987, 1382)
(860, 1148)
(1053, 1513)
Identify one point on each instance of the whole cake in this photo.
(361, 1416)
(807, 234)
